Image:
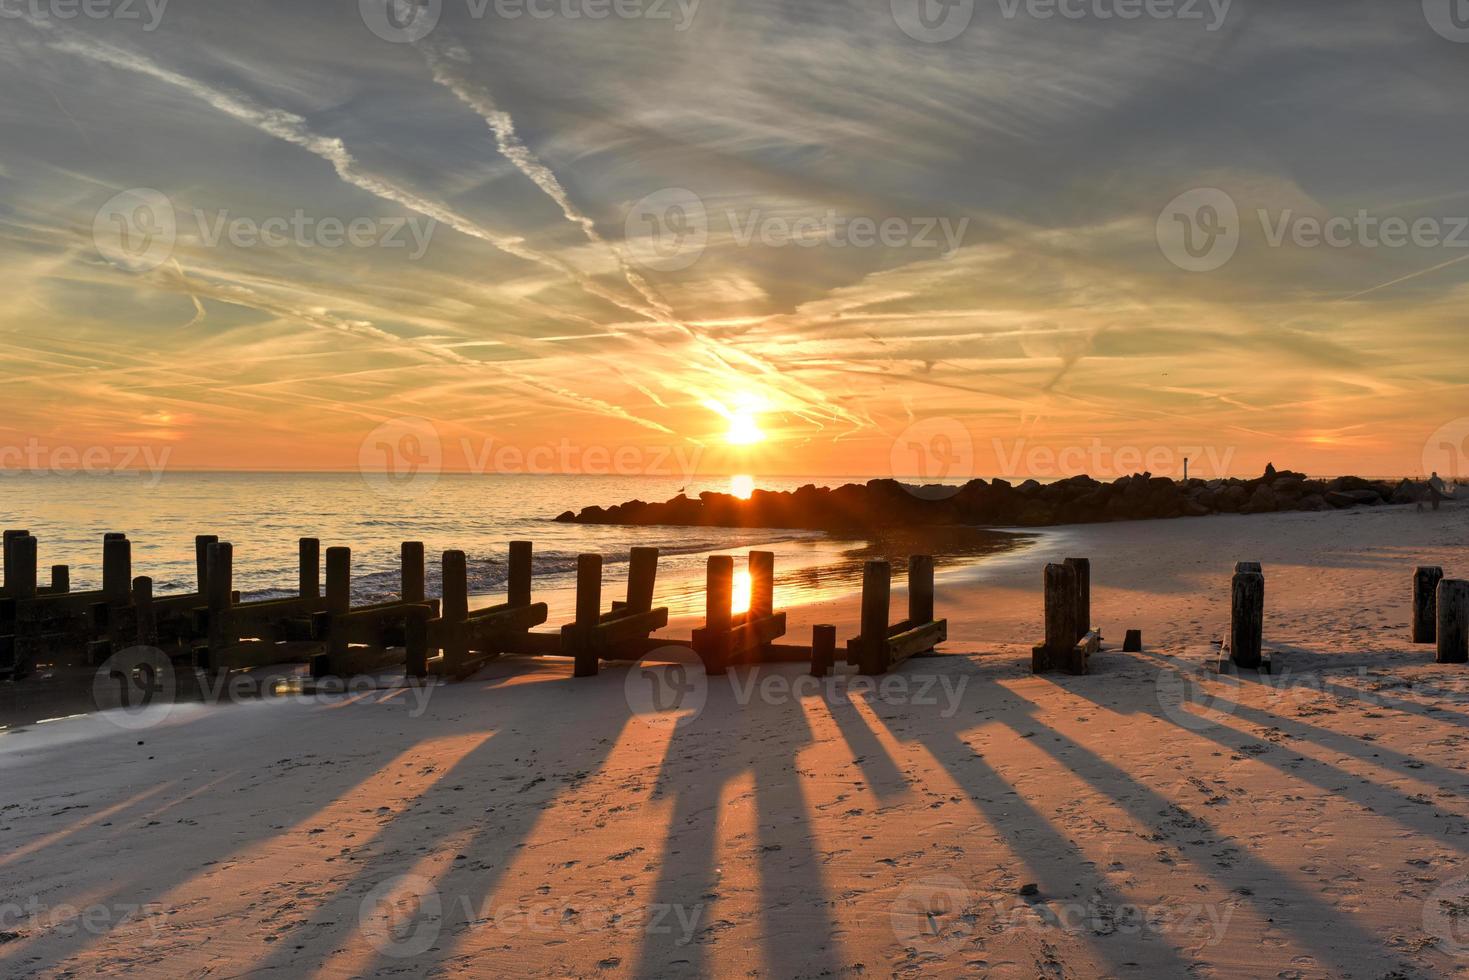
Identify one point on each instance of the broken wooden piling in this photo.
(1067, 646)
(1425, 603)
(880, 646)
(727, 637)
(1452, 625)
(595, 635)
(1247, 620)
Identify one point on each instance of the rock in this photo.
(1269, 471)
(1352, 498)
(1263, 501)
(566, 516)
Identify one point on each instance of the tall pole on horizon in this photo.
(1185, 469)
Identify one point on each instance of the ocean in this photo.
(263, 515)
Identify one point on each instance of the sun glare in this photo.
(740, 593)
(743, 430)
(742, 485)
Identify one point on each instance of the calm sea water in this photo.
(263, 515)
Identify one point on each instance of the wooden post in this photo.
(1453, 621)
(412, 589)
(454, 609)
(1060, 586)
(642, 572)
(588, 613)
(8, 581)
(60, 579)
(201, 560)
(21, 569)
(1425, 603)
(920, 590)
(823, 649)
(1083, 569)
(1245, 567)
(877, 580)
(143, 608)
(338, 580)
(117, 568)
(718, 610)
(520, 573)
(1247, 619)
(762, 584)
(309, 552)
(456, 587)
(220, 576)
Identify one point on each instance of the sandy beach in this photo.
(959, 818)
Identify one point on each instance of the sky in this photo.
(937, 238)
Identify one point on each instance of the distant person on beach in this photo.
(1437, 490)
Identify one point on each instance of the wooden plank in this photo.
(713, 642)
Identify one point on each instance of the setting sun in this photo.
(743, 430)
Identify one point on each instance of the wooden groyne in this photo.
(213, 630)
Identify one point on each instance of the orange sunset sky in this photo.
(838, 250)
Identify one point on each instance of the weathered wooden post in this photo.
(762, 584)
(1083, 569)
(520, 573)
(642, 573)
(220, 578)
(920, 589)
(453, 609)
(1247, 619)
(338, 603)
(1453, 621)
(309, 554)
(1425, 603)
(718, 611)
(823, 649)
(1059, 583)
(9, 570)
(1244, 567)
(1133, 642)
(588, 614)
(117, 568)
(413, 575)
(147, 616)
(21, 570)
(60, 579)
(877, 579)
(201, 560)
